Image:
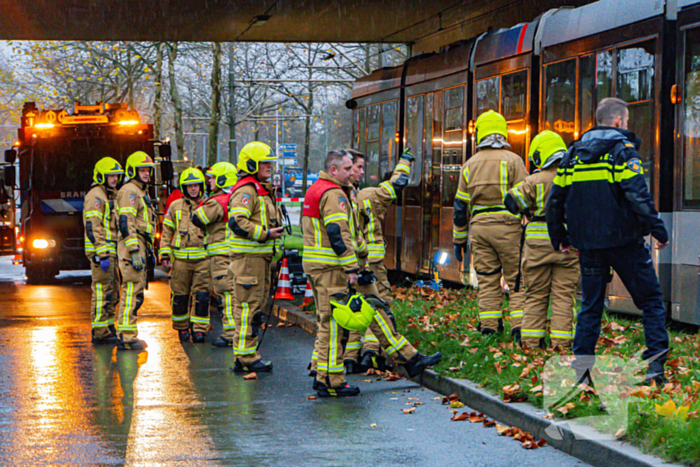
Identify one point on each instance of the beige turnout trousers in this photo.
(549, 274)
(495, 247)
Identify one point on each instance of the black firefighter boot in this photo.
(419, 362)
(183, 335)
(345, 390)
(370, 359)
(258, 365)
(352, 367)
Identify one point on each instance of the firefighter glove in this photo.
(105, 263)
(459, 248)
(137, 261)
(366, 277)
(408, 156)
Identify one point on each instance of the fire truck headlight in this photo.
(40, 243)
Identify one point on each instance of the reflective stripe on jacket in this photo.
(100, 222)
(181, 238)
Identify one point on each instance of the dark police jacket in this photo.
(600, 198)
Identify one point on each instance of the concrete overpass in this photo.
(426, 24)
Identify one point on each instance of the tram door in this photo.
(452, 151)
(415, 222)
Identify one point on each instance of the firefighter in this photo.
(137, 225)
(600, 204)
(357, 338)
(546, 272)
(493, 232)
(330, 262)
(212, 217)
(101, 248)
(182, 246)
(254, 219)
(370, 208)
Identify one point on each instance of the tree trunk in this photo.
(215, 115)
(158, 99)
(177, 102)
(232, 149)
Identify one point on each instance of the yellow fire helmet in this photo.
(544, 147)
(352, 311)
(490, 123)
(191, 176)
(136, 161)
(252, 155)
(224, 174)
(106, 166)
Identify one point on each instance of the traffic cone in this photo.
(284, 286)
(308, 295)
(18, 249)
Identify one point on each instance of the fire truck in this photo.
(56, 152)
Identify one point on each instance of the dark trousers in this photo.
(633, 265)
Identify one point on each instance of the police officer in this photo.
(546, 272)
(182, 246)
(331, 264)
(212, 217)
(493, 232)
(101, 248)
(137, 225)
(254, 219)
(600, 205)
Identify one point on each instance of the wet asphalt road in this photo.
(64, 401)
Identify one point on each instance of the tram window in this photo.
(586, 93)
(560, 98)
(691, 121)
(604, 75)
(487, 95)
(454, 104)
(414, 135)
(373, 118)
(362, 134)
(635, 72)
(514, 95)
(635, 84)
(372, 164)
(386, 162)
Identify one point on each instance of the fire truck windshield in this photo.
(66, 164)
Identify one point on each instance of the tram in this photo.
(546, 74)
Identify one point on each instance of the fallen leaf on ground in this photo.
(461, 417)
(478, 418)
(251, 376)
(373, 425)
(620, 433)
(501, 430)
(311, 398)
(489, 423)
(407, 411)
(669, 409)
(437, 398)
(537, 388)
(568, 407)
(456, 404)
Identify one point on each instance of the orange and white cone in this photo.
(284, 286)
(18, 252)
(308, 295)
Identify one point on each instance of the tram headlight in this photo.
(42, 243)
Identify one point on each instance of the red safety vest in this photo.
(247, 181)
(312, 200)
(222, 199)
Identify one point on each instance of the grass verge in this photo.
(661, 420)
